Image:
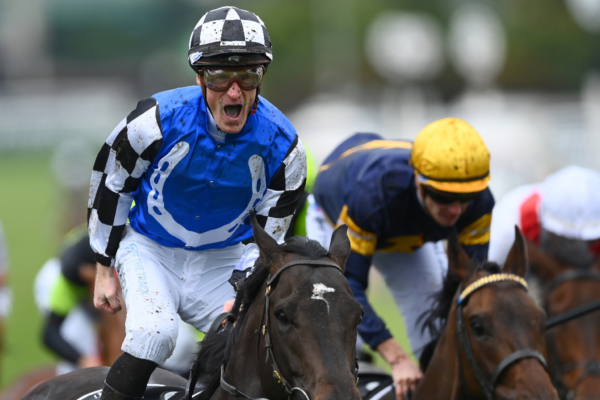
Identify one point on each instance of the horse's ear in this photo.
(459, 263)
(517, 261)
(543, 265)
(339, 249)
(270, 252)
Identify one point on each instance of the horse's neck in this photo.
(242, 369)
(441, 380)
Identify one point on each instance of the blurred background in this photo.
(525, 74)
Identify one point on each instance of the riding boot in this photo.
(108, 393)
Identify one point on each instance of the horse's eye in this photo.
(281, 317)
(477, 326)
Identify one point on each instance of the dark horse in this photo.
(492, 344)
(573, 347)
(294, 336)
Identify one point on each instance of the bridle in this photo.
(590, 367)
(462, 339)
(263, 330)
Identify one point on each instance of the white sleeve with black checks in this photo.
(276, 209)
(126, 155)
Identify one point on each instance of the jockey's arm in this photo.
(115, 177)
(372, 329)
(276, 210)
(64, 297)
(53, 339)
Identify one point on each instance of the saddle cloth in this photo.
(153, 392)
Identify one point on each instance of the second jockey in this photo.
(399, 200)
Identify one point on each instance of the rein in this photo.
(590, 367)
(462, 339)
(263, 330)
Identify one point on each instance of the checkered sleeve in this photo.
(126, 155)
(275, 211)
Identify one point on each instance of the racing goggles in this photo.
(220, 79)
(449, 198)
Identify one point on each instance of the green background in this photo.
(27, 201)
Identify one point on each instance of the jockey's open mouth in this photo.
(233, 111)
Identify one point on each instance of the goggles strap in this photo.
(255, 105)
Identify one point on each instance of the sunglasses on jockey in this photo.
(220, 78)
(449, 198)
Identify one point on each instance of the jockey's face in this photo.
(230, 108)
(444, 214)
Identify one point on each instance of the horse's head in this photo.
(310, 317)
(501, 324)
(573, 347)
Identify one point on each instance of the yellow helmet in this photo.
(449, 155)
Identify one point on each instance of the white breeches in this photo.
(160, 282)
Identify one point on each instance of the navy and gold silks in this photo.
(368, 184)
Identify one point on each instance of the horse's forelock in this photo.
(435, 319)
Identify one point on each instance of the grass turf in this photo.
(27, 201)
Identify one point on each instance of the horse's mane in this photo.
(216, 348)
(435, 319)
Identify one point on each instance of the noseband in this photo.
(462, 338)
(263, 330)
(590, 367)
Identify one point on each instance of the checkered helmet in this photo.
(229, 36)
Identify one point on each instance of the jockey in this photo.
(63, 291)
(399, 200)
(561, 214)
(196, 160)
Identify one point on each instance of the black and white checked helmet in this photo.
(229, 36)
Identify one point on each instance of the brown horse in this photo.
(294, 337)
(492, 345)
(573, 347)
